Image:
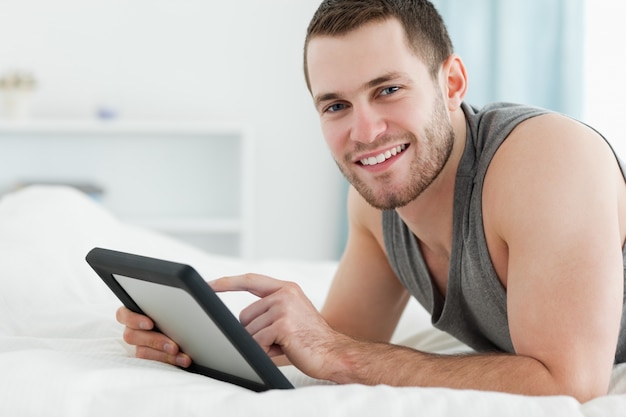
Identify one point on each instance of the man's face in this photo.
(383, 116)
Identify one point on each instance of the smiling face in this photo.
(382, 114)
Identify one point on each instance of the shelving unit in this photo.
(190, 180)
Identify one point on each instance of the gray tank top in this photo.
(474, 309)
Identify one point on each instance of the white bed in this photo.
(61, 352)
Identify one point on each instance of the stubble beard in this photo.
(431, 154)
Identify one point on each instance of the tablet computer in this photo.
(185, 308)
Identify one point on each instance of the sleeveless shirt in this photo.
(474, 309)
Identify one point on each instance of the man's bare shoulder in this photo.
(550, 154)
(555, 138)
(550, 174)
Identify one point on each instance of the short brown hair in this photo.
(425, 30)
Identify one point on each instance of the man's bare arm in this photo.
(366, 299)
(556, 199)
(373, 364)
(284, 322)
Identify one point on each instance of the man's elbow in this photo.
(582, 380)
(584, 387)
(584, 394)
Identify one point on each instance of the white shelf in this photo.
(192, 225)
(192, 180)
(74, 127)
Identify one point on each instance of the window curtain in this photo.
(521, 51)
(524, 51)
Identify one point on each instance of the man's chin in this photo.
(382, 196)
(385, 200)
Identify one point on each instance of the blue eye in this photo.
(389, 90)
(335, 107)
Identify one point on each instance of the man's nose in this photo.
(367, 124)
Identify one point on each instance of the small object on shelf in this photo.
(106, 112)
(17, 88)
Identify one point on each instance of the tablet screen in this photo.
(177, 315)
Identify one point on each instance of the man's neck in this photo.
(430, 215)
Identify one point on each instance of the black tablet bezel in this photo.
(107, 263)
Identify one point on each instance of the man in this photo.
(506, 223)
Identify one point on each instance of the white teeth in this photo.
(373, 160)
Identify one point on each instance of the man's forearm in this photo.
(379, 363)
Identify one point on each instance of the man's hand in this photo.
(284, 321)
(150, 344)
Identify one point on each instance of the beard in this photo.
(431, 151)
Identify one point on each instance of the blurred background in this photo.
(238, 66)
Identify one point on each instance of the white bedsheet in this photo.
(61, 352)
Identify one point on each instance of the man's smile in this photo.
(383, 156)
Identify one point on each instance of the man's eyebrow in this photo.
(326, 97)
(382, 80)
(366, 86)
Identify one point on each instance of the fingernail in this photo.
(182, 361)
(144, 325)
(169, 348)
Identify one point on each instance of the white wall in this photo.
(605, 90)
(193, 60)
(206, 60)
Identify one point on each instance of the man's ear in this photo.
(454, 79)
